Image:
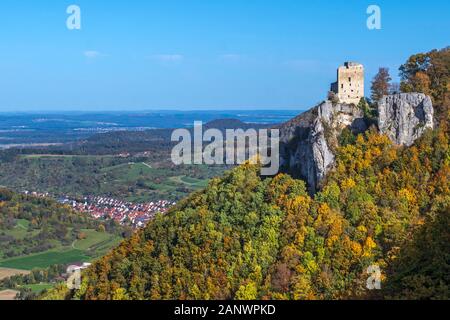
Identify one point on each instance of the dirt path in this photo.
(147, 165)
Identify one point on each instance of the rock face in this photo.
(404, 117)
(307, 142)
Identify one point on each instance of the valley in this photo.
(111, 184)
(129, 178)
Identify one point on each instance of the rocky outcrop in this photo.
(307, 142)
(404, 117)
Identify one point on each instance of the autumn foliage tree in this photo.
(380, 84)
(429, 73)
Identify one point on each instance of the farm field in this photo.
(190, 182)
(7, 272)
(37, 288)
(96, 241)
(81, 250)
(8, 295)
(63, 156)
(44, 260)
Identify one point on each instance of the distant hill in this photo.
(223, 124)
(129, 165)
(155, 141)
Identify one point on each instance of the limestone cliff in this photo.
(404, 117)
(308, 141)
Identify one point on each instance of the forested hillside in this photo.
(247, 237)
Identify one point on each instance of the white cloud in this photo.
(168, 57)
(92, 54)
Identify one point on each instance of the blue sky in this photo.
(200, 54)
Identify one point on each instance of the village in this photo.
(136, 215)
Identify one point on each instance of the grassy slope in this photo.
(95, 241)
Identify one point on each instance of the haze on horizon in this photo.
(202, 55)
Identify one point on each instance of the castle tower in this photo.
(349, 87)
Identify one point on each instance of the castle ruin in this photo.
(349, 87)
